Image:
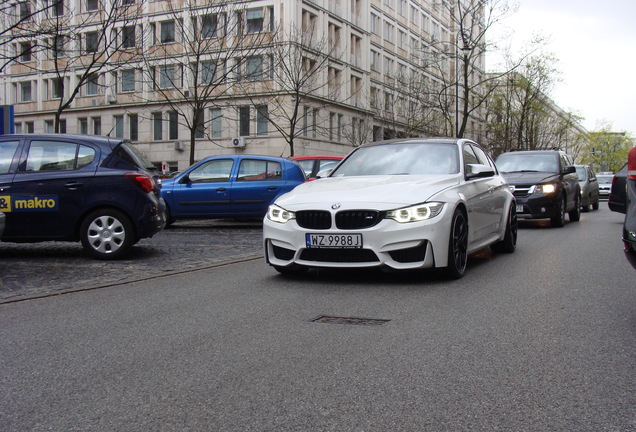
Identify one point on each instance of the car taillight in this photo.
(631, 164)
(142, 181)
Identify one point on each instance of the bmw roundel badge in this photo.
(335, 206)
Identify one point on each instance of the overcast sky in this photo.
(595, 42)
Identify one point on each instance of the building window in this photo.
(388, 32)
(157, 126)
(57, 88)
(208, 72)
(209, 24)
(261, 120)
(92, 42)
(254, 20)
(167, 77)
(92, 5)
(128, 37)
(244, 121)
(167, 32)
(49, 126)
(133, 127)
(25, 91)
(57, 46)
(173, 125)
(128, 80)
(199, 131)
(26, 50)
(97, 125)
(215, 123)
(92, 85)
(83, 126)
(119, 126)
(339, 127)
(332, 121)
(254, 68)
(25, 11)
(62, 126)
(305, 121)
(57, 8)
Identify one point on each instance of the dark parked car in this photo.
(545, 184)
(100, 191)
(2, 218)
(589, 187)
(629, 227)
(618, 193)
(234, 186)
(313, 164)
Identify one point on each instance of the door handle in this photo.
(4, 188)
(271, 187)
(73, 185)
(221, 189)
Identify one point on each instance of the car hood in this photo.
(515, 178)
(381, 192)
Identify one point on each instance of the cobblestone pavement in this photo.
(39, 269)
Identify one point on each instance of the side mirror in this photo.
(324, 173)
(478, 171)
(570, 169)
(185, 180)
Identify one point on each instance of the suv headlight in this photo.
(279, 214)
(545, 188)
(415, 213)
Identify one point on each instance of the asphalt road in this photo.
(540, 340)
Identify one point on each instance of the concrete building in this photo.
(137, 69)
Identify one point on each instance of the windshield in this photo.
(525, 162)
(604, 179)
(401, 159)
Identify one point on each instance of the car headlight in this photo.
(415, 213)
(545, 188)
(279, 214)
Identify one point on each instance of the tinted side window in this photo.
(51, 156)
(259, 170)
(85, 156)
(7, 152)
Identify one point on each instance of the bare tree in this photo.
(199, 55)
(82, 47)
(301, 83)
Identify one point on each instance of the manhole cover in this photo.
(349, 320)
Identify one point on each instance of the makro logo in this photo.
(20, 203)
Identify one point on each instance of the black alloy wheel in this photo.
(458, 246)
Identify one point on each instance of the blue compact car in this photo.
(236, 186)
(100, 191)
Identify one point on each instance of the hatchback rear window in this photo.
(131, 155)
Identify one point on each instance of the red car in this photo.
(313, 164)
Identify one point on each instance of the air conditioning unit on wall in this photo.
(179, 146)
(238, 142)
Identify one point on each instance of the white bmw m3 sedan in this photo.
(403, 204)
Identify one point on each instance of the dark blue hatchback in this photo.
(100, 191)
(233, 186)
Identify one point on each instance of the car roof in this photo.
(438, 140)
(545, 151)
(334, 157)
(96, 139)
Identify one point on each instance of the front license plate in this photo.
(342, 241)
(519, 208)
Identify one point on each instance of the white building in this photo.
(373, 63)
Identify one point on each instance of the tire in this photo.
(107, 234)
(586, 208)
(575, 214)
(169, 219)
(595, 205)
(509, 243)
(457, 246)
(558, 220)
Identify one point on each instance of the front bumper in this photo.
(400, 246)
(538, 206)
